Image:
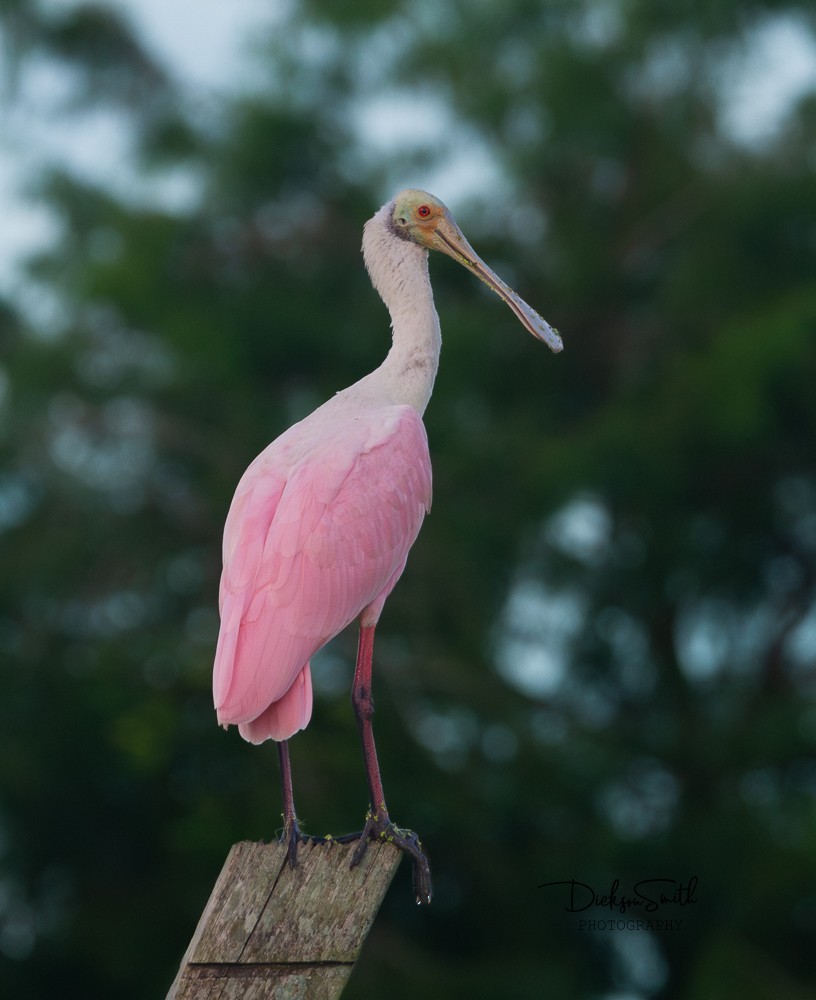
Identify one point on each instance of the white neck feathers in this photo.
(398, 269)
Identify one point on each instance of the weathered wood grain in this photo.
(269, 930)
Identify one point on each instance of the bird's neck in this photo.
(399, 271)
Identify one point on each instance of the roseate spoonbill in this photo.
(321, 523)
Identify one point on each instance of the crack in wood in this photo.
(297, 932)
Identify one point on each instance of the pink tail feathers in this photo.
(284, 717)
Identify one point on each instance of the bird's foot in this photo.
(378, 826)
(292, 836)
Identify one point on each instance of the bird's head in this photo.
(417, 216)
(423, 219)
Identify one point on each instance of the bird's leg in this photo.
(378, 824)
(363, 705)
(291, 830)
(292, 834)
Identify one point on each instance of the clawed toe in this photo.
(379, 827)
(292, 836)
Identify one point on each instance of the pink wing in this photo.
(319, 530)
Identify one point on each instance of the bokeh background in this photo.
(600, 662)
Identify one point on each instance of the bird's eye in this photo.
(423, 211)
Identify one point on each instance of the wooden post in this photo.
(270, 930)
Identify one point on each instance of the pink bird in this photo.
(320, 527)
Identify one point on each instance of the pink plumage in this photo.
(322, 521)
(318, 533)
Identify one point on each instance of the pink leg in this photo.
(292, 835)
(291, 831)
(378, 824)
(363, 705)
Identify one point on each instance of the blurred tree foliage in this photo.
(600, 662)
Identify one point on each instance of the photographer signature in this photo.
(647, 894)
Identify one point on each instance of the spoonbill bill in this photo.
(320, 527)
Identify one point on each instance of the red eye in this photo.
(423, 211)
